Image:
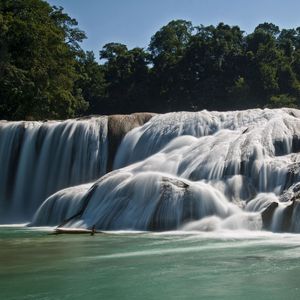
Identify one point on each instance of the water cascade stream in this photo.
(40, 158)
(184, 170)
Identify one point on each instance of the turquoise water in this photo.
(224, 265)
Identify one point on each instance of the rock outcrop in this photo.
(118, 126)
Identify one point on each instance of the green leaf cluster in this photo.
(45, 74)
(188, 67)
(39, 46)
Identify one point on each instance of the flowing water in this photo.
(184, 167)
(40, 158)
(209, 205)
(126, 265)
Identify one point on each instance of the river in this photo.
(35, 264)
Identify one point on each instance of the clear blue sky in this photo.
(133, 22)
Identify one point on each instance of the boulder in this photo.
(267, 215)
(118, 126)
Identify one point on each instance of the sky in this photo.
(133, 22)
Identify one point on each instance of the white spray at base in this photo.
(202, 171)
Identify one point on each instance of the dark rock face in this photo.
(167, 192)
(267, 215)
(290, 214)
(287, 218)
(281, 149)
(295, 226)
(118, 126)
(292, 175)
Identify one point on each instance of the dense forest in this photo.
(45, 74)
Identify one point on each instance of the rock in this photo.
(292, 175)
(291, 194)
(168, 185)
(287, 218)
(295, 226)
(267, 215)
(118, 126)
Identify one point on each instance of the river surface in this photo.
(128, 265)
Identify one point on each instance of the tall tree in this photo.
(212, 64)
(39, 46)
(126, 72)
(92, 83)
(167, 48)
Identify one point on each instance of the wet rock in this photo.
(118, 126)
(168, 185)
(267, 215)
(287, 218)
(166, 181)
(291, 194)
(295, 226)
(292, 175)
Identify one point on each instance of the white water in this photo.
(40, 158)
(204, 171)
(59, 204)
(194, 171)
(278, 218)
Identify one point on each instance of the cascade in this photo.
(184, 170)
(40, 158)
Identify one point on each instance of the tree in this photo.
(39, 47)
(222, 60)
(126, 72)
(45, 74)
(205, 67)
(171, 39)
(268, 28)
(92, 83)
(167, 48)
(282, 100)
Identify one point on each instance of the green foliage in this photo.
(282, 100)
(126, 75)
(38, 53)
(45, 74)
(171, 39)
(91, 82)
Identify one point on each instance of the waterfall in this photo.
(202, 170)
(40, 158)
(277, 219)
(145, 201)
(184, 170)
(57, 209)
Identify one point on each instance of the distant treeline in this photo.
(44, 73)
